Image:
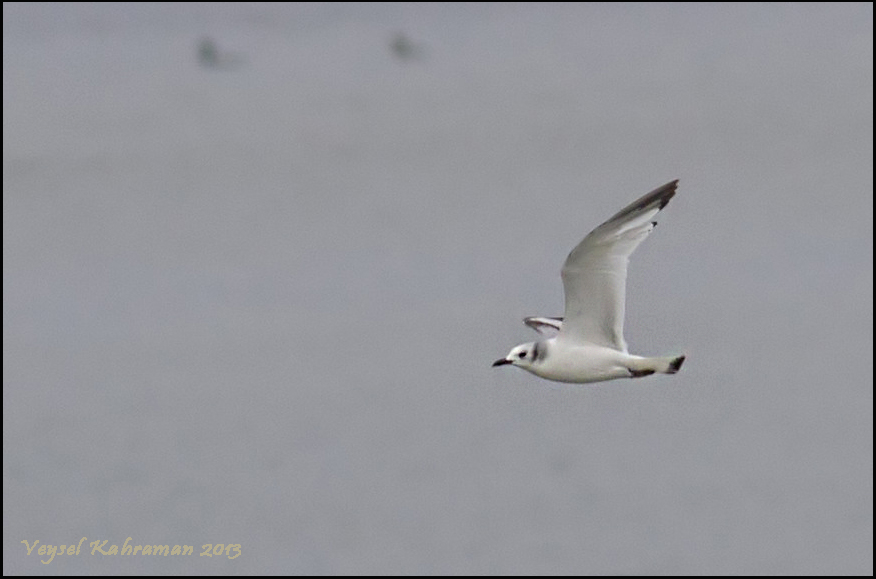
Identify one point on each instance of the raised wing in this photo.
(541, 325)
(595, 272)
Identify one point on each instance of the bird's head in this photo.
(523, 355)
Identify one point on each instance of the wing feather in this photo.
(540, 324)
(595, 272)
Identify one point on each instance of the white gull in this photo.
(590, 346)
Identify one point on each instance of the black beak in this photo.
(501, 362)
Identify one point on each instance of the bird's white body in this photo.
(582, 363)
(590, 346)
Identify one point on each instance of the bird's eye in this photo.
(522, 354)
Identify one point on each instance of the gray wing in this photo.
(595, 272)
(540, 324)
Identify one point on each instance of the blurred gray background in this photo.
(257, 260)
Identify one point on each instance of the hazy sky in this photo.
(256, 303)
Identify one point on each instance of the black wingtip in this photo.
(659, 198)
(675, 365)
(666, 192)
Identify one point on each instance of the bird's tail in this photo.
(675, 364)
(665, 365)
